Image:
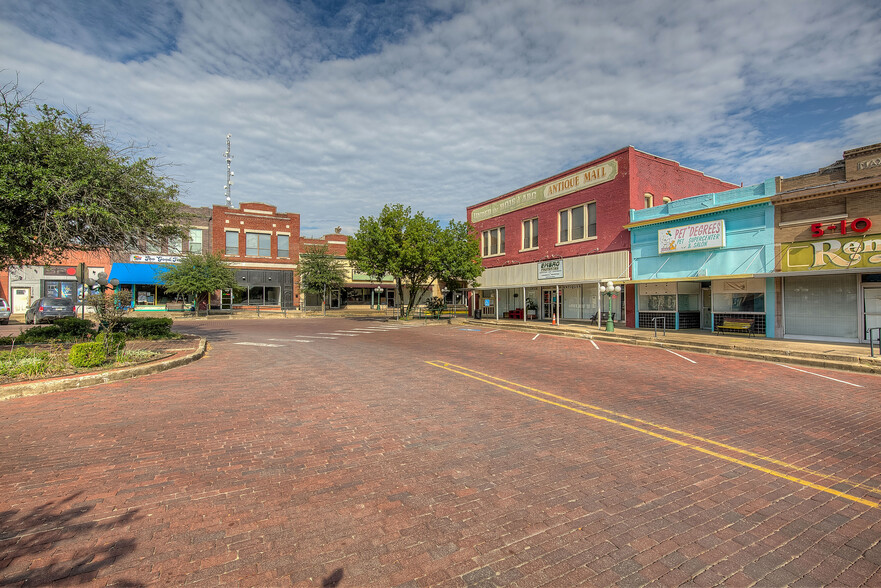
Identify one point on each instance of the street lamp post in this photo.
(610, 290)
(378, 291)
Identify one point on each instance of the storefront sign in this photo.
(829, 254)
(869, 163)
(587, 178)
(860, 225)
(59, 270)
(691, 237)
(552, 269)
(155, 258)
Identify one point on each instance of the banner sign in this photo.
(549, 270)
(587, 178)
(830, 254)
(708, 235)
(136, 257)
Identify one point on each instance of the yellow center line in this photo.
(512, 387)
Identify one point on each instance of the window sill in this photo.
(529, 249)
(560, 243)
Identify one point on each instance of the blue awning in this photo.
(137, 273)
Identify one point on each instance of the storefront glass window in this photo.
(255, 295)
(258, 245)
(232, 243)
(739, 302)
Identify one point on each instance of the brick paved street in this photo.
(338, 453)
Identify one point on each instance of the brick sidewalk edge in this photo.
(68, 383)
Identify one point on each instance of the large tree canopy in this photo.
(63, 187)
(415, 250)
(320, 272)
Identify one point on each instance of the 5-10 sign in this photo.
(860, 225)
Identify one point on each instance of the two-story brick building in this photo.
(547, 247)
(263, 245)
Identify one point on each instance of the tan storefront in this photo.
(828, 250)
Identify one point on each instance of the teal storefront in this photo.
(143, 281)
(697, 262)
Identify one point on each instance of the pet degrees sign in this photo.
(691, 237)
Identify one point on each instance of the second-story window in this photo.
(578, 223)
(258, 245)
(154, 246)
(232, 243)
(175, 245)
(530, 234)
(195, 241)
(284, 246)
(494, 242)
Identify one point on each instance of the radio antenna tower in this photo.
(229, 173)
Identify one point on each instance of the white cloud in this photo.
(441, 105)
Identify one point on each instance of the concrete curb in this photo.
(20, 390)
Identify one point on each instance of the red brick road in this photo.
(352, 461)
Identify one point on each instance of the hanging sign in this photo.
(706, 235)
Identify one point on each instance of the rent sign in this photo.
(706, 235)
(841, 253)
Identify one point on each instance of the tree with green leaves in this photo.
(415, 250)
(64, 187)
(198, 276)
(320, 272)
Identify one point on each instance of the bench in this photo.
(178, 306)
(735, 326)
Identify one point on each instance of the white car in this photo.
(5, 312)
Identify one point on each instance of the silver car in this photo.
(49, 309)
(5, 312)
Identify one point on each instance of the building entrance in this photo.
(549, 303)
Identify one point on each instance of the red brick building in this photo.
(263, 245)
(547, 247)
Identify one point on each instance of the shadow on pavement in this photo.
(55, 543)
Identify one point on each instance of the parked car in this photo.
(49, 309)
(5, 312)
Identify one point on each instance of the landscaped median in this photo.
(46, 360)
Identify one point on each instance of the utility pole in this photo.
(229, 173)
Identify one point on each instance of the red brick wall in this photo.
(267, 218)
(337, 244)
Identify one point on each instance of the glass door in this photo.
(872, 311)
(549, 303)
(706, 309)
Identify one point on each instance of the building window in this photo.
(530, 234)
(175, 245)
(578, 223)
(232, 243)
(666, 200)
(494, 242)
(284, 247)
(154, 246)
(649, 200)
(195, 242)
(258, 245)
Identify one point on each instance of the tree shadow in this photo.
(55, 543)
(209, 332)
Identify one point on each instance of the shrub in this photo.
(112, 341)
(145, 328)
(76, 328)
(40, 334)
(86, 355)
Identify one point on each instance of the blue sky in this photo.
(336, 108)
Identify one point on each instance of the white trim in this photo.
(253, 211)
(811, 221)
(259, 231)
(257, 265)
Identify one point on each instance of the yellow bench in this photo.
(735, 326)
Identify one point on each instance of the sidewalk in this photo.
(823, 354)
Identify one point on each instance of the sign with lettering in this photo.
(706, 235)
(138, 258)
(587, 178)
(551, 269)
(846, 253)
(860, 225)
(869, 163)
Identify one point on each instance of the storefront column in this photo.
(497, 304)
(524, 304)
(559, 314)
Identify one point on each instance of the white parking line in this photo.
(258, 344)
(301, 340)
(594, 343)
(536, 337)
(341, 334)
(493, 331)
(819, 375)
(682, 356)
